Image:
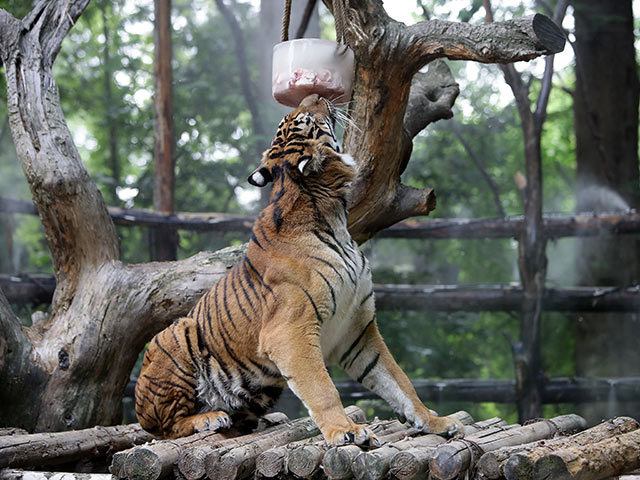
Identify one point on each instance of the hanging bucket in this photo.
(311, 65)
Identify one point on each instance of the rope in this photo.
(340, 8)
(286, 17)
(339, 15)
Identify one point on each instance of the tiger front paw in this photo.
(212, 421)
(428, 423)
(358, 434)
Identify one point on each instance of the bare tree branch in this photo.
(478, 163)
(545, 88)
(431, 98)
(499, 42)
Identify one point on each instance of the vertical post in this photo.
(164, 239)
(532, 263)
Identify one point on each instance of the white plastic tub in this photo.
(311, 65)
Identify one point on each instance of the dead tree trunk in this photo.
(70, 370)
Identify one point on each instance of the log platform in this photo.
(560, 447)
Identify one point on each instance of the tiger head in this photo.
(305, 150)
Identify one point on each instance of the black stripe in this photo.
(235, 293)
(353, 359)
(226, 305)
(368, 368)
(335, 247)
(244, 292)
(173, 360)
(247, 277)
(255, 240)
(313, 304)
(330, 265)
(333, 293)
(190, 347)
(265, 285)
(357, 340)
(266, 370)
(369, 295)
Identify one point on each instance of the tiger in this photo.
(300, 299)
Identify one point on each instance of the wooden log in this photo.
(454, 458)
(238, 459)
(304, 461)
(157, 459)
(14, 474)
(338, 460)
(49, 448)
(374, 464)
(521, 458)
(447, 298)
(603, 459)
(413, 463)
(556, 225)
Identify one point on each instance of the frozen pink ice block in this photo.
(311, 65)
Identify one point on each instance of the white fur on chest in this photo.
(351, 313)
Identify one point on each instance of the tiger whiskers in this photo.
(343, 119)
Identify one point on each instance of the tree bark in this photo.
(239, 462)
(13, 474)
(606, 129)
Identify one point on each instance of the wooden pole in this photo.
(164, 244)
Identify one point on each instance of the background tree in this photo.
(606, 129)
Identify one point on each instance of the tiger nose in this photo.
(310, 100)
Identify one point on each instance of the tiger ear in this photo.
(260, 177)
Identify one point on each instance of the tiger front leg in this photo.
(296, 352)
(367, 360)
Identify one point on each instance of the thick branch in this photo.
(502, 42)
(78, 229)
(431, 98)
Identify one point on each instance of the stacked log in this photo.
(490, 449)
(202, 453)
(411, 459)
(452, 459)
(519, 461)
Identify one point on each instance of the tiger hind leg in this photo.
(209, 421)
